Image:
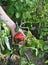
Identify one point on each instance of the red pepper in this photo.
(19, 36)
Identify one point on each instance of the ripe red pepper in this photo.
(19, 36)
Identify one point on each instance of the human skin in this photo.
(9, 22)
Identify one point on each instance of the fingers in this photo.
(20, 36)
(21, 31)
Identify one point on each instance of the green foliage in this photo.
(31, 41)
(28, 12)
(4, 38)
(46, 61)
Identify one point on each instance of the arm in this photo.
(5, 17)
(7, 20)
(11, 25)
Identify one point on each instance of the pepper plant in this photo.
(4, 40)
(29, 12)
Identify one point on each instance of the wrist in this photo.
(10, 24)
(13, 32)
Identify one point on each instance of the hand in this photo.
(17, 35)
(10, 24)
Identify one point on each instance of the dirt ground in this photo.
(14, 60)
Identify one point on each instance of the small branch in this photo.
(24, 27)
(27, 57)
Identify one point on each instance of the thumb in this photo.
(21, 31)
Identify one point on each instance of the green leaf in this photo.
(2, 47)
(7, 43)
(28, 15)
(46, 47)
(22, 0)
(36, 52)
(17, 27)
(23, 61)
(5, 51)
(17, 15)
(29, 34)
(10, 10)
(32, 64)
(46, 61)
(6, 29)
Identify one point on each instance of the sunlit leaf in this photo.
(7, 43)
(46, 61)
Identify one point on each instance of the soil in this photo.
(13, 60)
